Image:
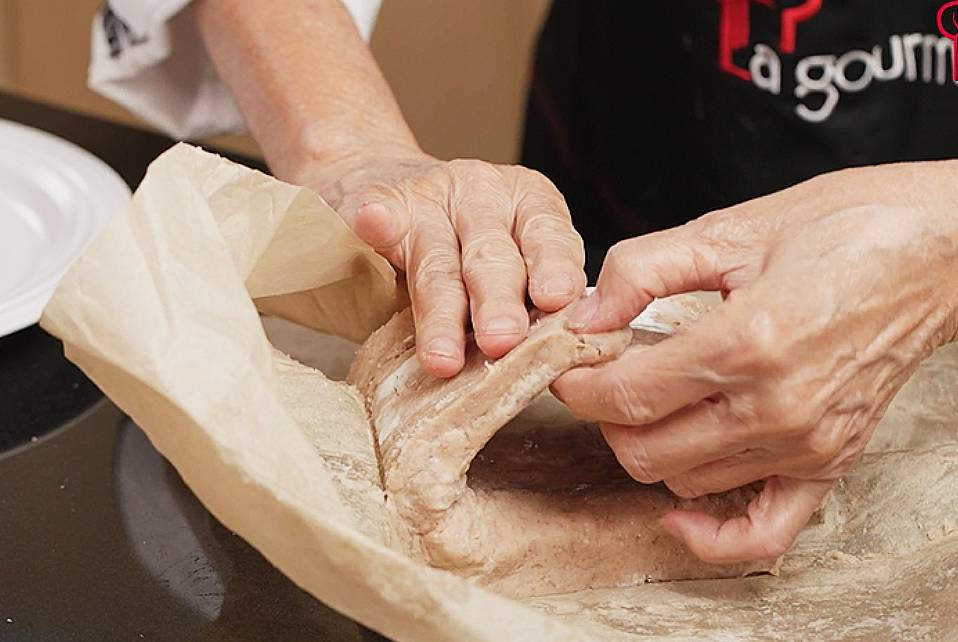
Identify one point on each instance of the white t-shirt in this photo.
(147, 55)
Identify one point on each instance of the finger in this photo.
(437, 293)
(724, 474)
(772, 523)
(552, 249)
(644, 268)
(683, 441)
(492, 268)
(382, 221)
(647, 383)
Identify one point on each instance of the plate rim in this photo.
(25, 308)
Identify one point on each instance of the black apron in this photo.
(648, 114)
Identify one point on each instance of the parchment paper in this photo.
(160, 313)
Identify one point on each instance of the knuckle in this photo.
(545, 220)
(546, 236)
(632, 408)
(761, 344)
(554, 252)
(480, 201)
(824, 446)
(627, 259)
(491, 244)
(545, 198)
(736, 226)
(739, 430)
(616, 266)
(741, 418)
(483, 206)
(435, 323)
(438, 317)
(788, 415)
(526, 176)
(774, 417)
(474, 172)
(616, 257)
(543, 223)
(437, 266)
(637, 463)
(428, 188)
(798, 416)
(493, 267)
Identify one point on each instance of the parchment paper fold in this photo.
(161, 312)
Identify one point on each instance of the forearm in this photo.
(305, 81)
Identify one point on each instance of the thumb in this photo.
(644, 268)
(769, 528)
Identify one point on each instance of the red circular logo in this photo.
(948, 26)
(948, 19)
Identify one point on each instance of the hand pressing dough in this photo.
(544, 507)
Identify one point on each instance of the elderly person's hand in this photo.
(473, 238)
(834, 291)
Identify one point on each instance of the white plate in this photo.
(54, 199)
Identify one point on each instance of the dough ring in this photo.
(544, 507)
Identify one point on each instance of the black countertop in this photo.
(99, 538)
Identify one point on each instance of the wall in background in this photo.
(458, 67)
(7, 49)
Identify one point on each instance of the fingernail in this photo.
(558, 285)
(499, 326)
(443, 348)
(584, 311)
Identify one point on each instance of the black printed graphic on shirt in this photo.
(117, 31)
(647, 114)
(818, 81)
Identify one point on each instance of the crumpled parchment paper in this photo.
(162, 312)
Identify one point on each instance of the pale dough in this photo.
(544, 507)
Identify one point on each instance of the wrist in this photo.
(318, 154)
(335, 173)
(307, 85)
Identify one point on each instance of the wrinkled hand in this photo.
(473, 238)
(834, 291)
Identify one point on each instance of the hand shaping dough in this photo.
(544, 507)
